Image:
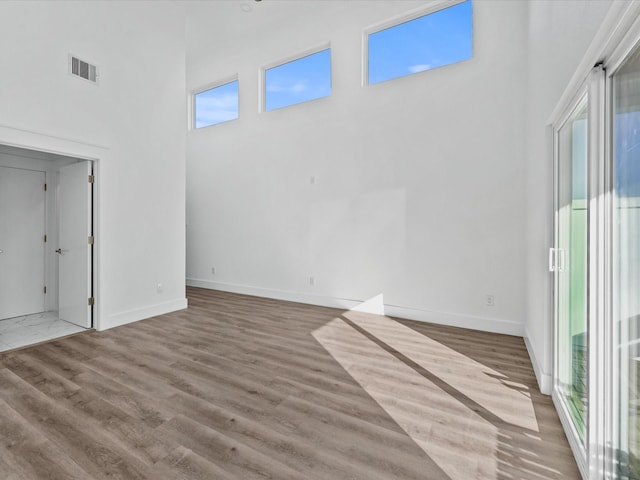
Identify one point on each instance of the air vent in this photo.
(83, 69)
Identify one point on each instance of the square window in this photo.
(216, 105)
(297, 81)
(430, 41)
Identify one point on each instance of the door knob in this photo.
(59, 251)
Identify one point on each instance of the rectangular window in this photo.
(216, 105)
(434, 40)
(306, 78)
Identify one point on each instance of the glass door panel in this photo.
(571, 267)
(626, 170)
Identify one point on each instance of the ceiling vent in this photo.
(82, 69)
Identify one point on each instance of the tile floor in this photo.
(38, 327)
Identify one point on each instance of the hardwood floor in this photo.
(239, 387)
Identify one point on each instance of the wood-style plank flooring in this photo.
(238, 387)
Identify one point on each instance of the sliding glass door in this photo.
(626, 245)
(570, 266)
(595, 261)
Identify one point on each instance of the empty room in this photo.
(320, 239)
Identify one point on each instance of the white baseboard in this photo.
(308, 298)
(545, 380)
(441, 318)
(131, 316)
(484, 324)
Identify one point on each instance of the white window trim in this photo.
(262, 73)
(201, 89)
(405, 17)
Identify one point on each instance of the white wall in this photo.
(559, 34)
(420, 188)
(133, 123)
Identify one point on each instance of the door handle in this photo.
(557, 259)
(561, 259)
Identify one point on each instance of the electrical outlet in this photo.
(159, 288)
(489, 300)
(312, 281)
(213, 270)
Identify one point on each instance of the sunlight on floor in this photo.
(441, 391)
(506, 400)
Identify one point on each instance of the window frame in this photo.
(405, 17)
(262, 75)
(206, 88)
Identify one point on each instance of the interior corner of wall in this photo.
(543, 377)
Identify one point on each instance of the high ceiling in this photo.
(239, 24)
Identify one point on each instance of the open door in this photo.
(75, 200)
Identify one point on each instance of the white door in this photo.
(22, 247)
(74, 248)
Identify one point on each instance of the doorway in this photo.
(46, 239)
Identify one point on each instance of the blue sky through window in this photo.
(431, 41)
(217, 105)
(627, 154)
(300, 80)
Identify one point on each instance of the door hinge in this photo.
(91, 301)
(45, 289)
(90, 240)
(45, 239)
(45, 187)
(91, 178)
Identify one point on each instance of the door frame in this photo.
(579, 450)
(40, 142)
(611, 390)
(616, 39)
